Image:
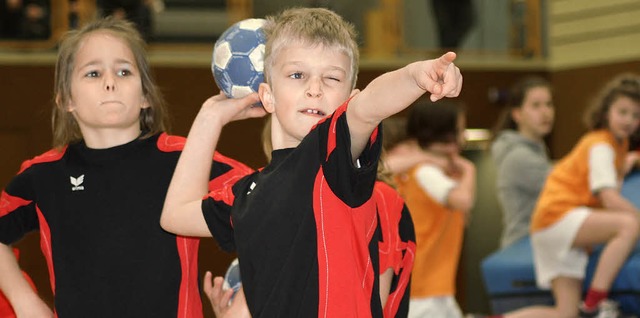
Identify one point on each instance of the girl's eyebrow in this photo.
(97, 62)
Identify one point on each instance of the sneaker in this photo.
(606, 309)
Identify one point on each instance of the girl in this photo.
(580, 205)
(519, 146)
(96, 198)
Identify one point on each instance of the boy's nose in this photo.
(314, 89)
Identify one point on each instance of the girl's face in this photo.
(535, 116)
(623, 117)
(307, 84)
(106, 88)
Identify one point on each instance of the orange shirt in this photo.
(439, 233)
(567, 186)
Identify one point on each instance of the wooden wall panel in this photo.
(592, 32)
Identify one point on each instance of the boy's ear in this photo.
(266, 97)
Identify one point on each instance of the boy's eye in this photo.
(332, 78)
(296, 75)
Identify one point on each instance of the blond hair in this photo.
(310, 26)
(153, 119)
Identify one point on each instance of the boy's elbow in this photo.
(165, 220)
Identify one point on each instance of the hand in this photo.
(220, 299)
(231, 109)
(460, 166)
(440, 77)
(631, 161)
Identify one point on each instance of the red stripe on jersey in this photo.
(331, 141)
(45, 246)
(168, 143)
(238, 166)
(220, 188)
(49, 156)
(389, 205)
(345, 271)
(189, 304)
(9, 203)
(393, 302)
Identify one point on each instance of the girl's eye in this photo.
(124, 72)
(92, 74)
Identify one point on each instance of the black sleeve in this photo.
(216, 207)
(352, 184)
(17, 210)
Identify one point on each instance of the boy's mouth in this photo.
(310, 111)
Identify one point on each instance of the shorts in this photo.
(553, 254)
(439, 306)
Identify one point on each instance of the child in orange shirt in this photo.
(439, 198)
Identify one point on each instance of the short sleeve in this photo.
(433, 181)
(18, 214)
(602, 171)
(216, 205)
(352, 183)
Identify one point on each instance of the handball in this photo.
(232, 277)
(238, 58)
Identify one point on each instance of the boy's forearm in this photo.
(386, 95)
(181, 212)
(389, 94)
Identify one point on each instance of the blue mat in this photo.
(509, 276)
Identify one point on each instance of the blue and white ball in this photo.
(232, 279)
(238, 58)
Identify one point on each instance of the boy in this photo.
(303, 226)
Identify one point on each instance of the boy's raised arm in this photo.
(392, 92)
(182, 212)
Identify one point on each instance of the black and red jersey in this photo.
(397, 249)
(305, 228)
(98, 214)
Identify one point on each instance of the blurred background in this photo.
(577, 45)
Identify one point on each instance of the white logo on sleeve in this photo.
(251, 187)
(77, 183)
